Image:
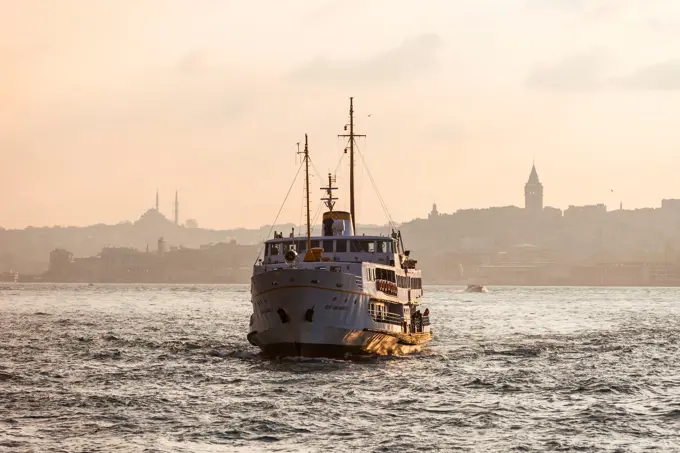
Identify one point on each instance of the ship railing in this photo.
(426, 320)
(386, 317)
(387, 287)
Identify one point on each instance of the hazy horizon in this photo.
(102, 103)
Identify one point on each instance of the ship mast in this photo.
(306, 159)
(351, 136)
(329, 201)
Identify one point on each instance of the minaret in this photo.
(157, 210)
(533, 192)
(176, 208)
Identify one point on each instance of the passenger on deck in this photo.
(328, 227)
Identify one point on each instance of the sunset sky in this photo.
(102, 102)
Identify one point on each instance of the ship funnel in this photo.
(337, 223)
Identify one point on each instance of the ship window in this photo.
(354, 246)
(328, 246)
(382, 247)
(341, 246)
(363, 246)
(301, 246)
(315, 244)
(274, 248)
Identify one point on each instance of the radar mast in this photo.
(329, 200)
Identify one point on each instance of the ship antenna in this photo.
(351, 136)
(329, 201)
(306, 159)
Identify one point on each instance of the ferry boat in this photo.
(338, 294)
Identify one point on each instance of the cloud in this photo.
(659, 76)
(207, 88)
(560, 4)
(447, 133)
(193, 62)
(198, 92)
(584, 9)
(587, 72)
(413, 57)
(586, 6)
(583, 72)
(331, 9)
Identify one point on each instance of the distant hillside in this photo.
(27, 250)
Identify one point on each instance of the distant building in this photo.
(161, 247)
(672, 204)
(533, 192)
(552, 213)
(214, 263)
(586, 214)
(435, 213)
(60, 258)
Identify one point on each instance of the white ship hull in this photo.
(311, 313)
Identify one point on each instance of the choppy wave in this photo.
(167, 369)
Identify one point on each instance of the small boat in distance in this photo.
(476, 289)
(340, 293)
